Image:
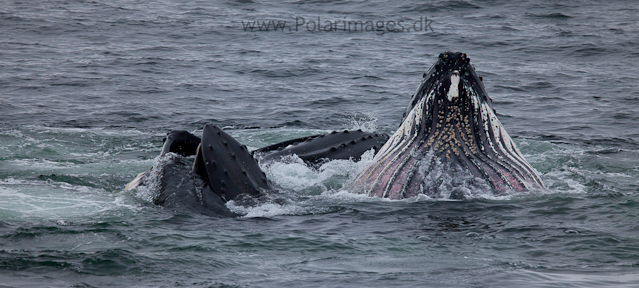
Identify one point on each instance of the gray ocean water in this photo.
(89, 88)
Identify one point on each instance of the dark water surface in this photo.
(88, 89)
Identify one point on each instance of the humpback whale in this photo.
(200, 175)
(449, 141)
(450, 144)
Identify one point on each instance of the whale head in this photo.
(449, 83)
(449, 127)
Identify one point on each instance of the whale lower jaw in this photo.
(439, 175)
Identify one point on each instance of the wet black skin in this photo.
(317, 148)
(347, 144)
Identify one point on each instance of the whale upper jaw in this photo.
(451, 77)
(450, 127)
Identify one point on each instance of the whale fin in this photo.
(180, 142)
(138, 181)
(227, 166)
(336, 145)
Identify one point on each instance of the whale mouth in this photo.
(450, 111)
(450, 123)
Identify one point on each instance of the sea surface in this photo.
(88, 89)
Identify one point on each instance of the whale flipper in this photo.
(336, 145)
(227, 166)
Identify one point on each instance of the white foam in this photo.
(267, 209)
(151, 178)
(98, 154)
(291, 173)
(560, 180)
(344, 196)
(30, 164)
(368, 124)
(25, 200)
(97, 131)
